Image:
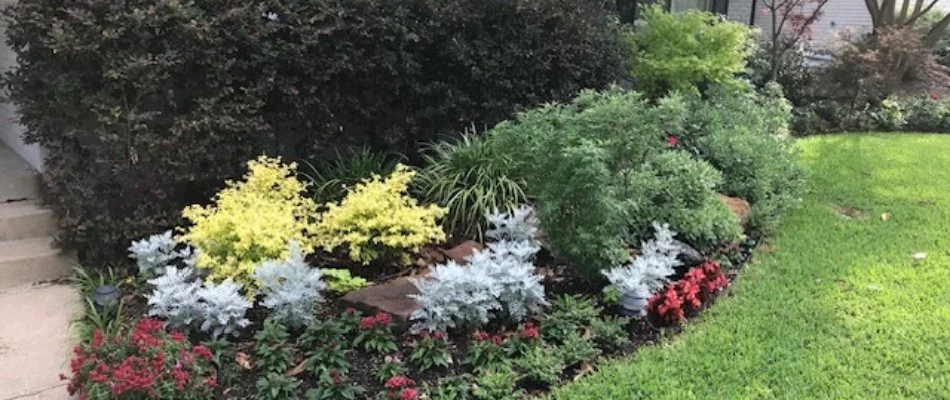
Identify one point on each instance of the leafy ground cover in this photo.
(849, 300)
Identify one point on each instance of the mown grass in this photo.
(838, 307)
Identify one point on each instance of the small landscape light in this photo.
(105, 296)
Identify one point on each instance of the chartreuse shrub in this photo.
(683, 50)
(378, 219)
(252, 221)
(601, 169)
(745, 136)
(148, 101)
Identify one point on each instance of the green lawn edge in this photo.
(835, 306)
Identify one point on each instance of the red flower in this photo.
(498, 340)
(178, 336)
(689, 292)
(439, 335)
(399, 381)
(349, 310)
(211, 381)
(672, 141)
(203, 352)
(383, 318)
(336, 377)
(181, 378)
(97, 339)
(529, 331)
(480, 336)
(409, 394)
(934, 95)
(367, 323)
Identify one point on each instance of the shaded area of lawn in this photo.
(837, 306)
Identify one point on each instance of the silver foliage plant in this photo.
(291, 288)
(183, 302)
(497, 282)
(154, 253)
(648, 272)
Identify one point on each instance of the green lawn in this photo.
(838, 308)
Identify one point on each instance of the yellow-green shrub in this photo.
(378, 219)
(251, 221)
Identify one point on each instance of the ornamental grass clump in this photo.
(252, 221)
(378, 220)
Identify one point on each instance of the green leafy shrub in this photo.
(745, 136)
(540, 365)
(926, 114)
(680, 190)
(795, 75)
(275, 386)
(684, 50)
(497, 384)
(158, 103)
(274, 352)
(610, 333)
(601, 170)
(470, 179)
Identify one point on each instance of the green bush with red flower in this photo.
(142, 362)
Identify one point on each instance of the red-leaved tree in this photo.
(792, 22)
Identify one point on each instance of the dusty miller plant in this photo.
(154, 253)
(648, 272)
(291, 288)
(497, 282)
(180, 299)
(222, 309)
(174, 297)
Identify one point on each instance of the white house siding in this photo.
(838, 15)
(10, 130)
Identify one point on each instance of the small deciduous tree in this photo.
(905, 13)
(791, 24)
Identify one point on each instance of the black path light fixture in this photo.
(105, 297)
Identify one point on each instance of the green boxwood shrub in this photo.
(146, 106)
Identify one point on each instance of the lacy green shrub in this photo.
(252, 221)
(470, 179)
(680, 190)
(745, 136)
(158, 103)
(601, 169)
(683, 50)
(378, 219)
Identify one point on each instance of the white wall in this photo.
(839, 15)
(10, 130)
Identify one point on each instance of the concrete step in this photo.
(17, 180)
(35, 340)
(33, 260)
(25, 220)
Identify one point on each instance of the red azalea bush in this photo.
(145, 362)
(688, 294)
